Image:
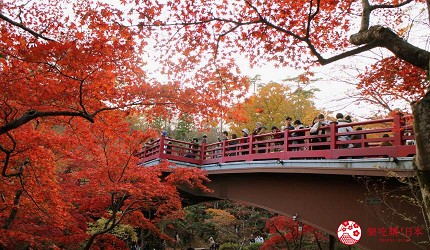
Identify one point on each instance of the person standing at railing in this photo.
(316, 129)
(298, 125)
(288, 123)
(275, 130)
(277, 134)
(357, 137)
(259, 129)
(288, 127)
(193, 152)
(341, 121)
(149, 143)
(386, 143)
(348, 118)
(224, 135)
(233, 141)
(224, 142)
(168, 146)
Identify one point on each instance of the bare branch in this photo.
(390, 6)
(356, 51)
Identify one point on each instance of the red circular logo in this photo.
(349, 232)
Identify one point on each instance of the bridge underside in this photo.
(324, 201)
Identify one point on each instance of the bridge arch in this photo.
(324, 201)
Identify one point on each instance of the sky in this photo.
(331, 90)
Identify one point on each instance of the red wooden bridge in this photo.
(321, 182)
(285, 146)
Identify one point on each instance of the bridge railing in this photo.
(292, 144)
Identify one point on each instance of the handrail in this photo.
(285, 145)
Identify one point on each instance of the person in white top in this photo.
(319, 122)
(341, 121)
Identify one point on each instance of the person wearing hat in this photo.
(245, 132)
(245, 148)
(259, 128)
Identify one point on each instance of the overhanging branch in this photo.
(20, 25)
(33, 114)
(356, 51)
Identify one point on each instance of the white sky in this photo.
(330, 90)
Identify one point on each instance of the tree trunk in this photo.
(384, 37)
(14, 210)
(421, 112)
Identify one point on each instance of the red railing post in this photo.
(251, 142)
(223, 150)
(203, 151)
(161, 147)
(144, 152)
(397, 129)
(286, 132)
(333, 132)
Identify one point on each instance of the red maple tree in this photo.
(70, 74)
(291, 234)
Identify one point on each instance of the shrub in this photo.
(229, 246)
(254, 246)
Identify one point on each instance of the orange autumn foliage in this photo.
(70, 74)
(287, 233)
(392, 79)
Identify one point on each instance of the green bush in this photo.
(229, 246)
(253, 246)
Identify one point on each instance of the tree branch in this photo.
(280, 234)
(14, 210)
(311, 16)
(20, 25)
(380, 36)
(390, 6)
(33, 114)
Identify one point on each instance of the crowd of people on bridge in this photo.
(319, 127)
(319, 131)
